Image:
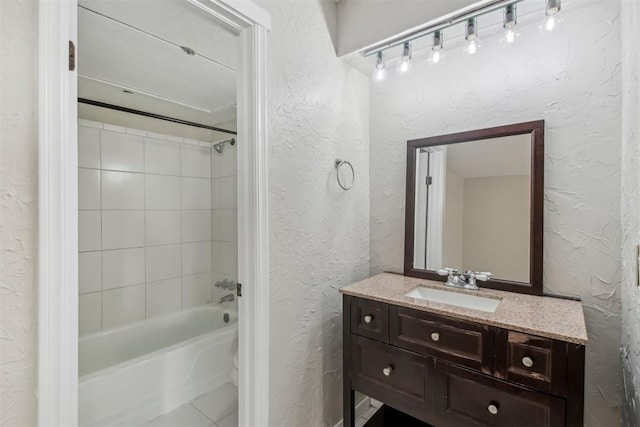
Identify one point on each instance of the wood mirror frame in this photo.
(536, 130)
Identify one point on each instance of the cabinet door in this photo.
(401, 379)
(467, 398)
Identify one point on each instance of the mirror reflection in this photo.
(472, 207)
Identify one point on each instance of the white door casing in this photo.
(58, 211)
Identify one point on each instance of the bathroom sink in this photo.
(455, 298)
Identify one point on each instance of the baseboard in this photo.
(361, 408)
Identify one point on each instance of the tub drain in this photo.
(226, 318)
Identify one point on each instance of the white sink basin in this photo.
(455, 298)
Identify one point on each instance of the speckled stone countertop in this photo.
(550, 317)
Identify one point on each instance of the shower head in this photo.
(219, 146)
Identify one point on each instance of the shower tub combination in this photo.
(132, 374)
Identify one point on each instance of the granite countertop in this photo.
(556, 318)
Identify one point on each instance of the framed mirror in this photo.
(475, 202)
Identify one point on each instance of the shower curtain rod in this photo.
(153, 116)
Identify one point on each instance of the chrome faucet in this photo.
(227, 285)
(465, 280)
(226, 298)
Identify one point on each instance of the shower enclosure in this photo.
(157, 200)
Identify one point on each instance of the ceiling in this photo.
(491, 157)
(133, 46)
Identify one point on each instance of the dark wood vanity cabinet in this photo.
(451, 372)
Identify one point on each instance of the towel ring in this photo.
(338, 164)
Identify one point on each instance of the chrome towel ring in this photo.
(339, 164)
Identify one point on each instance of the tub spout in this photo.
(226, 298)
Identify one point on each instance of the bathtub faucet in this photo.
(226, 284)
(226, 298)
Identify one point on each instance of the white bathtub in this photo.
(132, 374)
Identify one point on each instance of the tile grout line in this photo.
(144, 204)
(101, 235)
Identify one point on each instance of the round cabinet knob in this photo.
(527, 361)
(368, 318)
(435, 336)
(493, 408)
(387, 371)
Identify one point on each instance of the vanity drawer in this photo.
(370, 319)
(473, 399)
(466, 343)
(536, 362)
(401, 379)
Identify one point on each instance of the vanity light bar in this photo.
(468, 16)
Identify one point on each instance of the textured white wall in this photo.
(318, 110)
(573, 81)
(18, 211)
(630, 208)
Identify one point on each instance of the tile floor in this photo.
(368, 413)
(217, 408)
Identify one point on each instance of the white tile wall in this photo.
(195, 161)
(121, 152)
(90, 272)
(123, 305)
(163, 262)
(161, 157)
(122, 190)
(163, 227)
(196, 193)
(88, 189)
(122, 229)
(164, 297)
(89, 231)
(146, 224)
(224, 218)
(196, 225)
(196, 289)
(90, 313)
(88, 147)
(122, 267)
(162, 192)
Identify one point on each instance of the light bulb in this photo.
(380, 72)
(473, 46)
(436, 56)
(509, 23)
(551, 21)
(438, 45)
(405, 63)
(471, 35)
(510, 36)
(550, 25)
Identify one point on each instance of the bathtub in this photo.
(132, 374)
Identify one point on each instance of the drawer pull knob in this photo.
(368, 318)
(527, 361)
(435, 336)
(493, 408)
(387, 371)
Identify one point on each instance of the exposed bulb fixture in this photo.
(511, 34)
(405, 62)
(438, 44)
(551, 20)
(471, 35)
(380, 72)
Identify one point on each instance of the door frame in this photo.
(58, 211)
